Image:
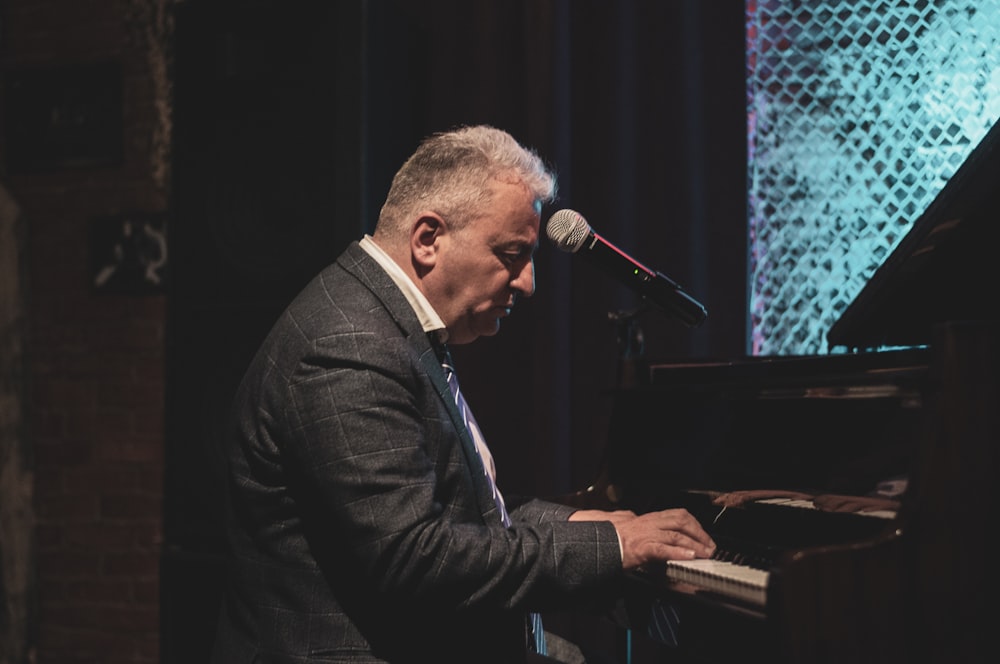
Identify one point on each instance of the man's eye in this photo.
(512, 256)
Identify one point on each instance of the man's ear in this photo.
(425, 240)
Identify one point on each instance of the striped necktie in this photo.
(477, 434)
(534, 619)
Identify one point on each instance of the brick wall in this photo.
(95, 360)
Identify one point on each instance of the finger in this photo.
(681, 549)
(695, 542)
(683, 522)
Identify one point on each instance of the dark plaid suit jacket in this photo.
(361, 526)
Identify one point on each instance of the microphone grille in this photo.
(567, 229)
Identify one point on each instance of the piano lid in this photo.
(944, 269)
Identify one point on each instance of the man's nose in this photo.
(524, 280)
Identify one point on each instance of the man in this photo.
(366, 525)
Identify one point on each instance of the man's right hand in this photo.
(672, 534)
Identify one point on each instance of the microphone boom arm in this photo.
(655, 286)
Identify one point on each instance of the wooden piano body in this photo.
(915, 584)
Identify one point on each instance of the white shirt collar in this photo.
(429, 319)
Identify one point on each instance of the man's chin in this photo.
(488, 330)
(471, 334)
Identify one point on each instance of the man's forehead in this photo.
(516, 228)
(515, 213)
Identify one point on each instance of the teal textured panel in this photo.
(859, 111)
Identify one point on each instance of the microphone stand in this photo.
(631, 343)
(632, 612)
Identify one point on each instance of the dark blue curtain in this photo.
(640, 108)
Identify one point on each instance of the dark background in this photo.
(289, 122)
(263, 135)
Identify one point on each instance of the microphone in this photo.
(570, 232)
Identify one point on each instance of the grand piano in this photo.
(851, 493)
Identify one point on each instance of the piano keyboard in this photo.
(721, 576)
(743, 575)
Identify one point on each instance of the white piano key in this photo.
(725, 578)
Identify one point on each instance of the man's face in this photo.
(485, 266)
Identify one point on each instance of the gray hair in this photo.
(450, 173)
